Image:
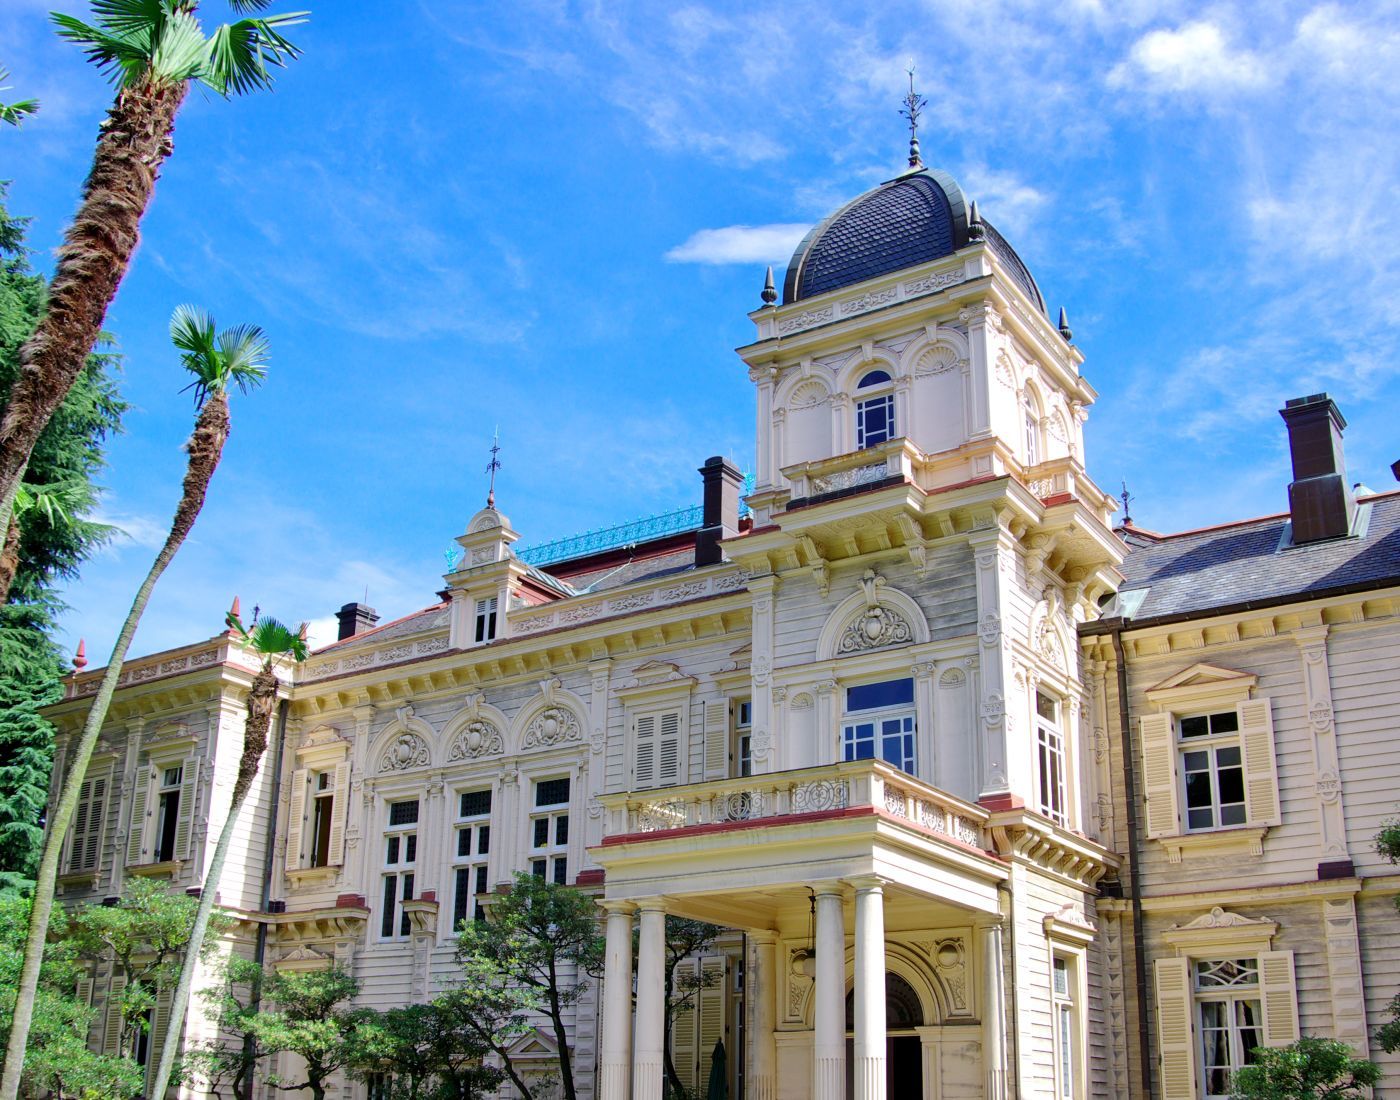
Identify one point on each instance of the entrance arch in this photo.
(904, 1057)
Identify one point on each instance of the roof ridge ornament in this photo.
(913, 106)
(493, 466)
(770, 292)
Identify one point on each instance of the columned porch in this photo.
(875, 880)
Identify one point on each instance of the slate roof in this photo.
(1251, 563)
(904, 222)
(429, 618)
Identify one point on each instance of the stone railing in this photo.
(769, 798)
(219, 650)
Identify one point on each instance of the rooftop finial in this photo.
(913, 105)
(1127, 498)
(1064, 326)
(770, 292)
(80, 658)
(493, 466)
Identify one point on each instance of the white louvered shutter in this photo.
(644, 752)
(1159, 774)
(112, 1026)
(1260, 773)
(1279, 998)
(1174, 1029)
(669, 770)
(160, 1029)
(711, 999)
(140, 817)
(85, 843)
(296, 816)
(717, 739)
(683, 1049)
(189, 795)
(77, 839)
(339, 808)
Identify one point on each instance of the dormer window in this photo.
(486, 620)
(874, 410)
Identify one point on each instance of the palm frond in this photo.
(245, 351)
(238, 55)
(242, 7)
(271, 638)
(120, 57)
(130, 17)
(179, 48)
(13, 113)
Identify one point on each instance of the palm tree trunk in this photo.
(9, 557)
(262, 698)
(205, 447)
(135, 140)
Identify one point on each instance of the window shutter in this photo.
(112, 1026)
(717, 739)
(84, 991)
(136, 841)
(1260, 775)
(189, 794)
(711, 999)
(683, 1052)
(668, 750)
(1279, 997)
(1174, 1029)
(1159, 774)
(644, 749)
(160, 1027)
(339, 808)
(296, 816)
(77, 839)
(97, 820)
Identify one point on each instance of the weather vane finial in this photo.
(913, 106)
(493, 466)
(1127, 498)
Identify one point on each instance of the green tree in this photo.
(271, 641)
(1312, 1068)
(685, 939)
(1388, 1034)
(314, 1020)
(145, 937)
(544, 938)
(231, 1057)
(236, 357)
(14, 113)
(52, 538)
(432, 1052)
(152, 50)
(59, 1061)
(488, 1011)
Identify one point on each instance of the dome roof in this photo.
(909, 220)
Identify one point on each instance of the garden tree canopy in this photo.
(59, 1061)
(545, 938)
(1388, 1034)
(489, 1012)
(1312, 1068)
(232, 1055)
(433, 1052)
(53, 538)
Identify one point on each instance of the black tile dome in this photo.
(907, 221)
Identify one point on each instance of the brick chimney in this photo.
(721, 509)
(1320, 500)
(355, 618)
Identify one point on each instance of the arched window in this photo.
(903, 1012)
(875, 411)
(1032, 411)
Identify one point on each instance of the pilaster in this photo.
(1317, 689)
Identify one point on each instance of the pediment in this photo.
(534, 1044)
(1203, 679)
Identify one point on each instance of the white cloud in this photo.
(1195, 58)
(1007, 201)
(740, 244)
(142, 531)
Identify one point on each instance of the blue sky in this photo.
(554, 217)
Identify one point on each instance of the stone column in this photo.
(829, 1036)
(993, 1014)
(651, 1007)
(763, 993)
(870, 990)
(615, 1063)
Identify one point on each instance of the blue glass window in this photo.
(887, 736)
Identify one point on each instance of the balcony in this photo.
(738, 847)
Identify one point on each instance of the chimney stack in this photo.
(721, 510)
(355, 618)
(1320, 500)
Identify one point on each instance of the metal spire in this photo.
(493, 466)
(1127, 498)
(913, 105)
(770, 292)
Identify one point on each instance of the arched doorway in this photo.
(904, 1057)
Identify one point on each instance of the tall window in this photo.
(167, 812)
(1032, 415)
(880, 723)
(1063, 997)
(486, 619)
(1227, 1000)
(1050, 758)
(469, 863)
(1212, 769)
(743, 738)
(549, 831)
(323, 808)
(874, 410)
(85, 848)
(400, 860)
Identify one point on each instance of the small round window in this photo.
(874, 378)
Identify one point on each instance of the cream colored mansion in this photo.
(995, 801)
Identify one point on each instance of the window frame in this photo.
(878, 394)
(167, 792)
(485, 619)
(1052, 746)
(553, 850)
(402, 870)
(476, 863)
(876, 717)
(1232, 996)
(1211, 744)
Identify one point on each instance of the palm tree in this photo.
(237, 357)
(14, 113)
(270, 640)
(152, 50)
